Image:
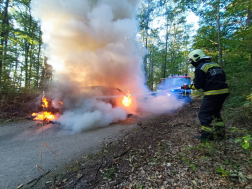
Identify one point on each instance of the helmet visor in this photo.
(188, 60)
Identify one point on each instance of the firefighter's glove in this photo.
(188, 87)
(192, 87)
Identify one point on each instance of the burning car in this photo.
(52, 107)
(111, 95)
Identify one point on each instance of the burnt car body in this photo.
(109, 95)
(69, 99)
(58, 101)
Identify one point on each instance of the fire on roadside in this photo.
(126, 100)
(45, 102)
(43, 116)
(48, 105)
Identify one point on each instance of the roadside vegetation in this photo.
(162, 153)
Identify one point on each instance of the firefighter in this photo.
(211, 78)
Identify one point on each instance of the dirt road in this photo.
(20, 147)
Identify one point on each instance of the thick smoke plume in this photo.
(92, 43)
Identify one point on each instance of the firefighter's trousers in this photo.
(210, 110)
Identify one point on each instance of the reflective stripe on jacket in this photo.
(205, 67)
(216, 92)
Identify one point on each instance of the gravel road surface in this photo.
(20, 148)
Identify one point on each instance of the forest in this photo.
(160, 143)
(224, 33)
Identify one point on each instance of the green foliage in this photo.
(244, 141)
(250, 160)
(139, 186)
(249, 100)
(21, 61)
(234, 129)
(109, 173)
(206, 147)
(236, 43)
(154, 161)
(192, 165)
(223, 172)
(239, 81)
(197, 93)
(167, 43)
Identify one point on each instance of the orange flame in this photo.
(45, 102)
(43, 116)
(126, 100)
(61, 103)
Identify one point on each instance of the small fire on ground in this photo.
(47, 115)
(43, 116)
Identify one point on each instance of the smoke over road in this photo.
(93, 43)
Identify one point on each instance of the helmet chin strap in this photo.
(195, 64)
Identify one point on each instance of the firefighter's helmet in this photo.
(197, 55)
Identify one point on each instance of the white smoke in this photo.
(92, 43)
(160, 104)
(90, 115)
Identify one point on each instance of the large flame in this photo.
(126, 100)
(43, 116)
(45, 102)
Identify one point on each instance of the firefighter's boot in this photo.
(205, 136)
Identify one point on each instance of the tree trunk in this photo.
(31, 64)
(219, 34)
(249, 25)
(145, 57)
(249, 18)
(146, 37)
(16, 65)
(166, 46)
(173, 50)
(38, 60)
(27, 49)
(152, 78)
(4, 38)
(149, 71)
(20, 77)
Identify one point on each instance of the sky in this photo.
(192, 18)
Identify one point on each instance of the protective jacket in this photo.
(211, 78)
